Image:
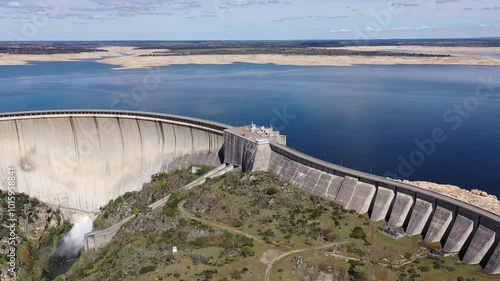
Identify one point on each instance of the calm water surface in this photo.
(363, 117)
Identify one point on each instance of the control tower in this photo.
(248, 146)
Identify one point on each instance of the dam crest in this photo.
(79, 160)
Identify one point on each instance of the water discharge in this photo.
(69, 247)
(72, 243)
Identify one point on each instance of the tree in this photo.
(358, 233)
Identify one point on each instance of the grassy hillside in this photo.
(256, 226)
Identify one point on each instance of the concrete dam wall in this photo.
(82, 159)
(461, 228)
(79, 160)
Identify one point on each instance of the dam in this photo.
(79, 160)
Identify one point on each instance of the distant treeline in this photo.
(190, 45)
(43, 49)
(285, 51)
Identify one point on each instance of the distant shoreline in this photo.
(133, 58)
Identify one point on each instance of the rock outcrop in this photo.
(474, 197)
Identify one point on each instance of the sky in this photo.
(32, 20)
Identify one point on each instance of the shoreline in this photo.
(132, 58)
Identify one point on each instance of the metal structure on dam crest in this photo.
(79, 160)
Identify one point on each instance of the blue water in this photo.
(363, 117)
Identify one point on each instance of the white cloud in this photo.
(14, 4)
(412, 27)
(340, 30)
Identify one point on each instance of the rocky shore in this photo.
(474, 197)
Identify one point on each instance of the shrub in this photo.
(247, 251)
(272, 191)
(358, 233)
(147, 269)
(424, 268)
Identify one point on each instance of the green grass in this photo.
(286, 219)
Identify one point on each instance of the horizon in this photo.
(259, 40)
(234, 20)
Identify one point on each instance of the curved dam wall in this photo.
(79, 160)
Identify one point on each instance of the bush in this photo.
(203, 170)
(358, 233)
(424, 268)
(247, 251)
(272, 191)
(147, 269)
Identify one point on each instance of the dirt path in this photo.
(284, 255)
(187, 214)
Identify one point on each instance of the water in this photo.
(363, 117)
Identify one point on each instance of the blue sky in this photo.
(246, 19)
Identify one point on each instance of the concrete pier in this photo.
(362, 197)
(479, 246)
(382, 203)
(288, 168)
(419, 217)
(311, 180)
(334, 187)
(300, 175)
(322, 185)
(402, 206)
(346, 191)
(461, 230)
(439, 224)
(493, 265)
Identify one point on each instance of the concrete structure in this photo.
(102, 154)
(481, 243)
(461, 230)
(493, 265)
(439, 224)
(362, 197)
(346, 191)
(382, 203)
(81, 160)
(419, 217)
(400, 210)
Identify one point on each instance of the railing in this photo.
(168, 117)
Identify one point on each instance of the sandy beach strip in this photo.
(129, 58)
